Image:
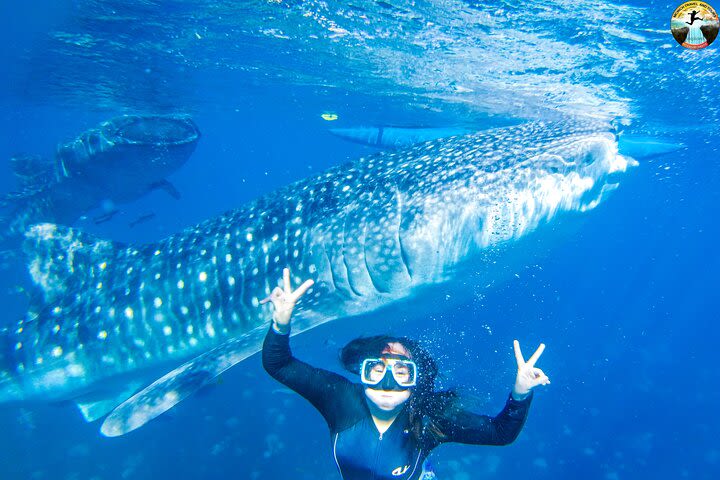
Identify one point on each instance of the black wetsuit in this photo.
(360, 451)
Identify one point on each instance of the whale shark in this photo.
(109, 318)
(633, 145)
(117, 162)
(396, 137)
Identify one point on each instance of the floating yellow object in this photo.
(329, 116)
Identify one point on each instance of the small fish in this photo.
(142, 219)
(105, 217)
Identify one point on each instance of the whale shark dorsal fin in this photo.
(31, 169)
(34, 174)
(172, 388)
(95, 406)
(62, 258)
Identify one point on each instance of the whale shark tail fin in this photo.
(63, 259)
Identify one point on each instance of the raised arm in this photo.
(456, 424)
(328, 392)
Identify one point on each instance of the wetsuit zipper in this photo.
(377, 455)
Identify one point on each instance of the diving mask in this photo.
(373, 373)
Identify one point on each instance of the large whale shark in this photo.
(110, 318)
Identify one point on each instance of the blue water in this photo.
(626, 301)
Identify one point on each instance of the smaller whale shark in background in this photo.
(116, 162)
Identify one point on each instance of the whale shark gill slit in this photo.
(405, 259)
(333, 276)
(355, 231)
(348, 250)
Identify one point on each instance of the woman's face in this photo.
(389, 400)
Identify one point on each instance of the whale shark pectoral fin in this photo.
(180, 383)
(93, 406)
(166, 187)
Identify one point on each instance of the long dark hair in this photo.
(425, 400)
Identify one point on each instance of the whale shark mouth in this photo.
(153, 130)
(602, 167)
(617, 166)
(572, 176)
(595, 195)
(610, 181)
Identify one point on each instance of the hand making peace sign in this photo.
(283, 299)
(528, 376)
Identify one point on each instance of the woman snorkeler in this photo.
(385, 427)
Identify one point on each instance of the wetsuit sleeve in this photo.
(459, 425)
(331, 394)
